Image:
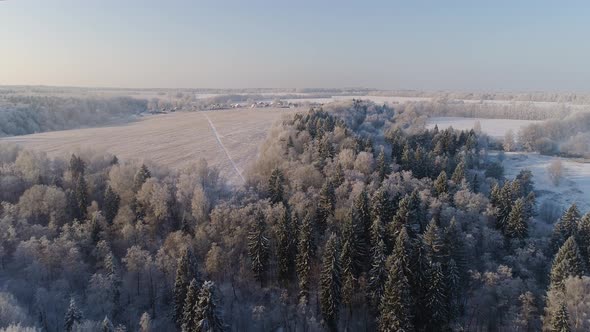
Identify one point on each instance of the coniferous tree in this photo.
(565, 227)
(395, 309)
(189, 319)
(583, 237)
(286, 246)
(186, 270)
(275, 186)
(330, 284)
(361, 219)
(304, 257)
(382, 166)
(325, 207)
(207, 310)
(111, 204)
(82, 200)
(259, 248)
(73, 316)
(111, 272)
(459, 173)
(517, 226)
(568, 262)
(560, 322)
(382, 206)
(441, 184)
(433, 243)
(436, 299)
(377, 273)
(77, 167)
(107, 325)
(142, 175)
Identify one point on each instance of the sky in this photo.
(426, 45)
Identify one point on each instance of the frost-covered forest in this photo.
(354, 217)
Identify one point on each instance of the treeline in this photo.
(569, 136)
(348, 221)
(21, 115)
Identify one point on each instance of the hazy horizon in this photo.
(525, 46)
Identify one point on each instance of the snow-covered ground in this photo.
(496, 128)
(573, 188)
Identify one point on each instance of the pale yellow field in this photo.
(171, 140)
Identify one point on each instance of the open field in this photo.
(496, 128)
(172, 140)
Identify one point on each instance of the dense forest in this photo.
(21, 115)
(354, 217)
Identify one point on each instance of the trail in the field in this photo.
(223, 147)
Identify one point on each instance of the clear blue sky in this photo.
(467, 45)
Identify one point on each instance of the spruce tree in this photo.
(565, 227)
(141, 177)
(441, 184)
(258, 248)
(82, 200)
(395, 309)
(107, 325)
(286, 246)
(325, 207)
(189, 320)
(436, 299)
(207, 310)
(459, 173)
(186, 270)
(567, 263)
(361, 218)
(583, 237)
(304, 257)
(517, 226)
(275, 186)
(382, 166)
(111, 204)
(560, 321)
(382, 206)
(77, 167)
(73, 316)
(377, 273)
(433, 243)
(330, 284)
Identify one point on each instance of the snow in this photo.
(574, 186)
(496, 128)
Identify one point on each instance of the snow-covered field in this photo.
(573, 188)
(496, 128)
(230, 141)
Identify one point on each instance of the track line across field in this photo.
(223, 147)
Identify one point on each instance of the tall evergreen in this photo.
(111, 204)
(77, 167)
(107, 325)
(325, 207)
(459, 173)
(565, 227)
(433, 243)
(276, 186)
(568, 262)
(560, 321)
(81, 197)
(583, 238)
(259, 248)
(141, 177)
(207, 310)
(382, 166)
(517, 226)
(377, 273)
(382, 206)
(330, 284)
(73, 316)
(189, 319)
(304, 257)
(441, 184)
(361, 219)
(286, 246)
(436, 299)
(395, 309)
(186, 270)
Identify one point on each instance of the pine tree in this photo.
(286, 246)
(111, 204)
(517, 226)
(111, 272)
(560, 322)
(189, 319)
(382, 206)
(454, 247)
(207, 310)
(77, 167)
(459, 173)
(436, 299)
(337, 177)
(361, 218)
(145, 323)
(325, 207)
(330, 284)
(395, 309)
(275, 186)
(73, 316)
(475, 184)
(304, 257)
(377, 273)
(568, 262)
(382, 166)
(186, 270)
(583, 237)
(565, 227)
(107, 325)
(258, 248)
(433, 243)
(81, 196)
(141, 177)
(441, 184)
